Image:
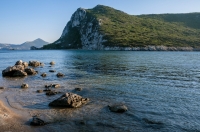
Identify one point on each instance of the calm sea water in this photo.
(160, 89)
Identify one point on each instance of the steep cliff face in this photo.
(105, 28)
(82, 31)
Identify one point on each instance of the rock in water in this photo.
(59, 74)
(52, 71)
(69, 100)
(78, 89)
(19, 62)
(37, 122)
(14, 71)
(43, 74)
(52, 63)
(25, 64)
(34, 63)
(24, 85)
(30, 71)
(119, 108)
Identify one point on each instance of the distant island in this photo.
(35, 44)
(105, 28)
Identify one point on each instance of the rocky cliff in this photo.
(105, 28)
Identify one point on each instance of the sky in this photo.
(27, 20)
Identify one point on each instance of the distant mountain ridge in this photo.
(38, 43)
(105, 28)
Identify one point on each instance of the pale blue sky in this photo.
(26, 20)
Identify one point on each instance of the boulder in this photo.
(25, 64)
(37, 122)
(119, 108)
(43, 75)
(52, 63)
(14, 71)
(30, 71)
(59, 74)
(34, 63)
(55, 85)
(69, 100)
(24, 85)
(19, 62)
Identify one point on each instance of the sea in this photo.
(160, 88)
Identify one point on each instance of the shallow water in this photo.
(160, 89)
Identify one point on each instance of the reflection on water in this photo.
(161, 89)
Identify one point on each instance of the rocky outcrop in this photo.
(14, 71)
(86, 27)
(69, 100)
(20, 69)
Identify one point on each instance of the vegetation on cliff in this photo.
(124, 30)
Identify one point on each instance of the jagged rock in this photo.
(78, 89)
(59, 74)
(39, 91)
(51, 92)
(34, 63)
(69, 100)
(37, 122)
(14, 71)
(30, 71)
(19, 62)
(43, 74)
(52, 71)
(52, 63)
(24, 85)
(118, 108)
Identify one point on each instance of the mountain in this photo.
(105, 28)
(25, 46)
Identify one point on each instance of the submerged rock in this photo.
(34, 63)
(30, 71)
(59, 74)
(52, 71)
(39, 91)
(51, 92)
(78, 89)
(37, 122)
(52, 63)
(14, 71)
(119, 108)
(24, 85)
(69, 100)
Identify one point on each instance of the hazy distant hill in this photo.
(103, 27)
(24, 46)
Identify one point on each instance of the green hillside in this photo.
(124, 30)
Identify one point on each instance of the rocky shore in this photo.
(23, 119)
